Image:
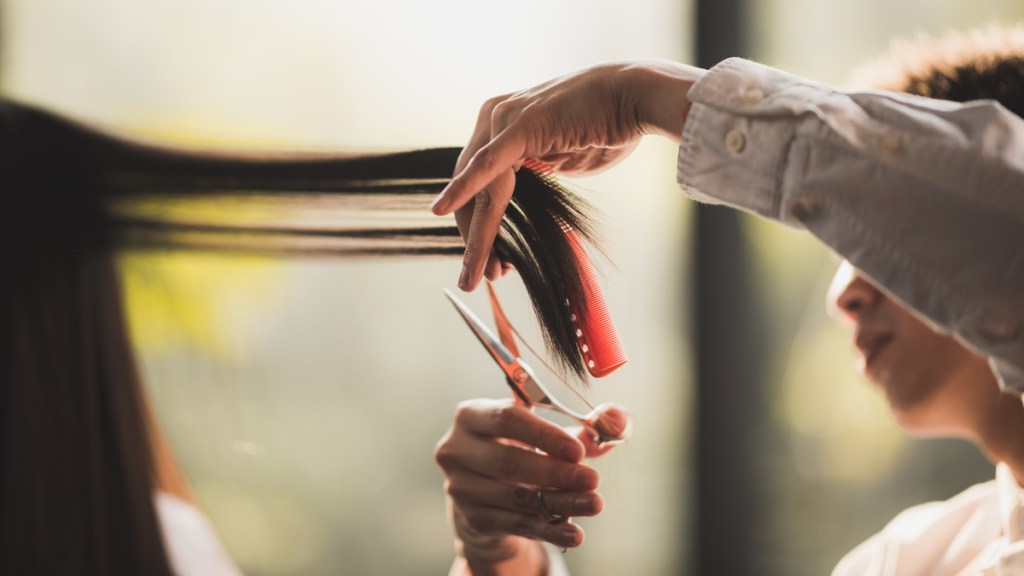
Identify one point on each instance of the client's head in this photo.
(933, 383)
(985, 63)
(77, 463)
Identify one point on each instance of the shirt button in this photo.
(805, 209)
(1000, 330)
(735, 141)
(751, 96)
(891, 144)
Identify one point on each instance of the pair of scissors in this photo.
(526, 387)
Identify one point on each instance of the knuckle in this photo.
(484, 199)
(485, 158)
(445, 455)
(463, 413)
(457, 490)
(509, 462)
(487, 110)
(474, 245)
(502, 109)
(505, 417)
(477, 519)
(523, 525)
(543, 438)
(560, 475)
(524, 498)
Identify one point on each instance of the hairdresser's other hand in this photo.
(580, 123)
(492, 477)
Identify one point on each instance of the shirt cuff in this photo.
(738, 133)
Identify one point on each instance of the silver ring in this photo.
(548, 517)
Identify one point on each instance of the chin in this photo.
(917, 424)
(922, 413)
(912, 403)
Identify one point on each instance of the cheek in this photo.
(929, 362)
(943, 356)
(931, 354)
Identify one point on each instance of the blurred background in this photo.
(304, 397)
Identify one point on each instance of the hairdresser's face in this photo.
(928, 378)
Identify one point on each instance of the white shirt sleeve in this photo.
(923, 196)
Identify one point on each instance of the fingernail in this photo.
(567, 536)
(584, 504)
(440, 204)
(464, 278)
(570, 451)
(586, 479)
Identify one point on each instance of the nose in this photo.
(850, 294)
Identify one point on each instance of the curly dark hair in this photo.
(985, 63)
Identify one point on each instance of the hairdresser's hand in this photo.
(494, 474)
(577, 124)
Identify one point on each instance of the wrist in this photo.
(659, 90)
(511, 555)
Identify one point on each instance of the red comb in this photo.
(596, 337)
(538, 166)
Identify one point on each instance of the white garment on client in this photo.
(977, 532)
(191, 543)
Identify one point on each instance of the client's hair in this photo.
(985, 63)
(76, 460)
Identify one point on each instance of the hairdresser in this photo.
(924, 197)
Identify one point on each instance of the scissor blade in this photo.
(505, 332)
(497, 350)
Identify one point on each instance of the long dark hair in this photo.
(76, 460)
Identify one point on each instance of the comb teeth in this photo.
(596, 337)
(537, 166)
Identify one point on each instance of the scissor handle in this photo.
(606, 429)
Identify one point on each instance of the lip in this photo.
(871, 344)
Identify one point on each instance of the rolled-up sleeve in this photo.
(925, 197)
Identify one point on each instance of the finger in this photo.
(469, 489)
(500, 155)
(481, 136)
(509, 463)
(557, 503)
(488, 207)
(530, 525)
(464, 218)
(493, 269)
(504, 419)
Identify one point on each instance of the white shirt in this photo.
(923, 196)
(977, 532)
(192, 546)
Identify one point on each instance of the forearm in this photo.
(922, 196)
